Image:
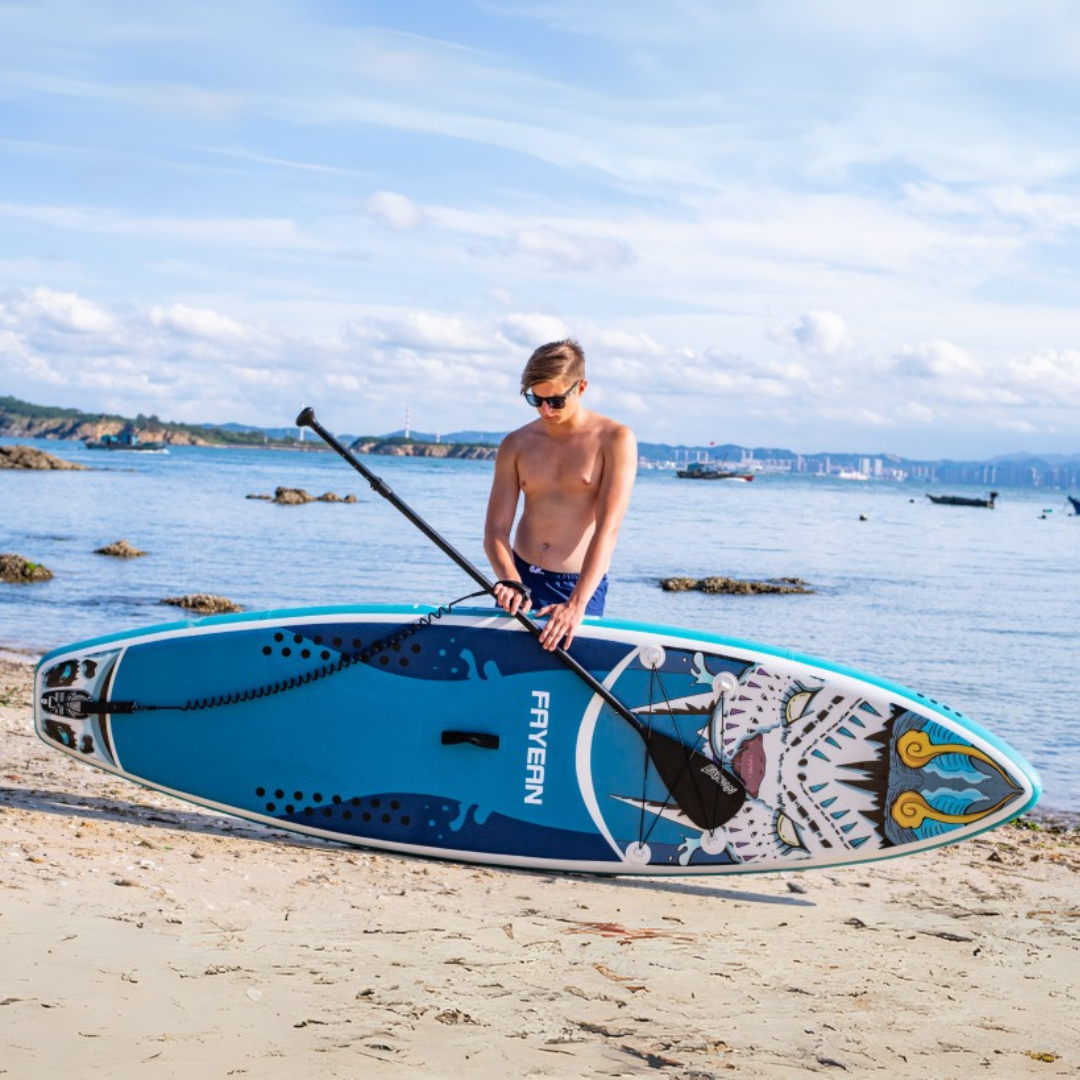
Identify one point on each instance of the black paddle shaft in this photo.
(705, 793)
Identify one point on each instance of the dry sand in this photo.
(142, 936)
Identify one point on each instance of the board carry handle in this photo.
(485, 740)
(706, 794)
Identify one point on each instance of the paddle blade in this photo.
(708, 795)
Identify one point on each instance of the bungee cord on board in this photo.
(83, 707)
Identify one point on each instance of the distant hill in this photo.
(24, 420)
(482, 438)
(475, 438)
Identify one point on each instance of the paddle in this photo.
(705, 793)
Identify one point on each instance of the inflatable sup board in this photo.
(452, 733)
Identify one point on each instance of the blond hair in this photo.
(553, 362)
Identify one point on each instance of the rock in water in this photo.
(27, 457)
(286, 496)
(18, 570)
(733, 587)
(204, 603)
(121, 549)
(678, 584)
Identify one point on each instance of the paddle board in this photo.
(459, 737)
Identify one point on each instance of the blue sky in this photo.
(826, 226)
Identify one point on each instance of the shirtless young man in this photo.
(576, 470)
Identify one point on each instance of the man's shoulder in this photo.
(521, 434)
(513, 441)
(615, 433)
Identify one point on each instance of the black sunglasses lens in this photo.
(556, 401)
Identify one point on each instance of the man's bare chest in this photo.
(566, 471)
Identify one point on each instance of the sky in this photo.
(824, 225)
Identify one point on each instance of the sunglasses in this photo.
(556, 401)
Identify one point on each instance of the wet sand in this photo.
(143, 935)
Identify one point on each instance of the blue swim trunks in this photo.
(549, 587)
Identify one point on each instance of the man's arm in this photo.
(502, 508)
(620, 469)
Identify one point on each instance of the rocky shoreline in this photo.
(80, 432)
(397, 448)
(29, 457)
(81, 427)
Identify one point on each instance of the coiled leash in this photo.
(77, 704)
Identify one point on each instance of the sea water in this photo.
(979, 609)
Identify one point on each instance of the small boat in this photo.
(707, 470)
(128, 439)
(1075, 504)
(961, 500)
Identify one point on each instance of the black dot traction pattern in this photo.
(372, 815)
(285, 645)
(424, 821)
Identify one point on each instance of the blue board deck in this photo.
(462, 739)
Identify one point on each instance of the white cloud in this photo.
(258, 234)
(427, 330)
(65, 311)
(917, 412)
(822, 332)
(943, 200)
(625, 403)
(198, 323)
(1021, 427)
(563, 251)
(855, 415)
(622, 342)
(1051, 211)
(1047, 377)
(266, 159)
(192, 362)
(345, 382)
(530, 330)
(936, 359)
(395, 211)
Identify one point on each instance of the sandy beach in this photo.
(143, 936)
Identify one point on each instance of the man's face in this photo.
(556, 400)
